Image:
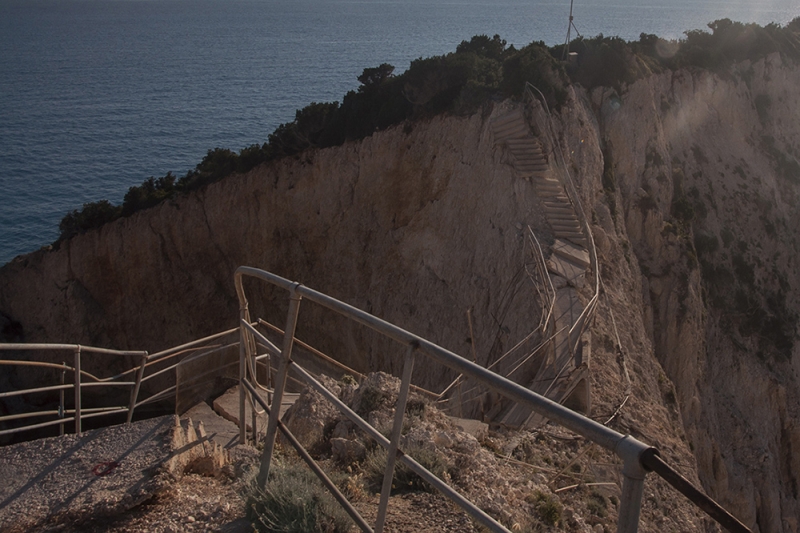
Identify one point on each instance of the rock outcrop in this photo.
(421, 223)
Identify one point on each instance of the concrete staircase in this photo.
(221, 421)
(563, 375)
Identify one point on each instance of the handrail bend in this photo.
(626, 447)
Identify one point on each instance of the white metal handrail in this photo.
(625, 446)
(78, 385)
(149, 367)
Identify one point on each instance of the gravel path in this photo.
(72, 478)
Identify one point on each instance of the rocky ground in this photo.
(193, 503)
(531, 481)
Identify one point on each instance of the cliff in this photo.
(690, 180)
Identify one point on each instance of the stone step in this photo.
(219, 429)
(547, 181)
(531, 167)
(526, 151)
(565, 268)
(515, 115)
(569, 251)
(558, 202)
(552, 191)
(569, 234)
(567, 218)
(548, 193)
(568, 231)
(525, 143)
(576, 238)
(529, 158)
(556, 211)
(512, 131)
(227, 406)
(539, 164)
(548, 186)
(529, 140)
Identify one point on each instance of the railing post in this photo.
(391, 453)
(78, 390)
(61, 397)
(253, 365)
(280, 385)
(136, 387)
(242, 376)
(630, 450)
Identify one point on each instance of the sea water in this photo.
(98, 95)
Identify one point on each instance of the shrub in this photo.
(547, 506)
(294, 501)
(92, 215)
(404, 478)
(150, 193)
(536, 65)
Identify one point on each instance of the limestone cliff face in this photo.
(420, 223)
(718, 156)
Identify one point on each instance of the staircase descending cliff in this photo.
(563, 374)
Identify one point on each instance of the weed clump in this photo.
(549, 508)
(294, 501)
(404, 479)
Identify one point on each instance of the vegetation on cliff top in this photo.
(459, 83)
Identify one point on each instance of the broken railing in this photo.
(163, 366)
(638, 458)
(582, 322)
(81, 381)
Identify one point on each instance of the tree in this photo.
(373, 77)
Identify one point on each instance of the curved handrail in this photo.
(635, 454)
(574, 198)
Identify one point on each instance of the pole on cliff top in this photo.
(570, 25)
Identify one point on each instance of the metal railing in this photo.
(638, 458)
(150, 367)
(572, 193)
(78, 385)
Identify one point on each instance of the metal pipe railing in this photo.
(580, 324)
(626, 447)
(77, 384)
(79, 375)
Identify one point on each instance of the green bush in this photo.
(404, 478)
(536, 65)
(294, 501)
(548, 507)
(92, 215)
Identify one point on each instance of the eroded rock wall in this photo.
(702, 184)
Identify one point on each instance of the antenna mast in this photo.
(569, 31)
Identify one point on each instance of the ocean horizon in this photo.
(98, 95)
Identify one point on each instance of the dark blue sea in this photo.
(98, 95)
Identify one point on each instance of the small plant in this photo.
(347, 379)
(597, 504)
(372, 399)
(404, 478)
(549, 508)
(294, 501)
